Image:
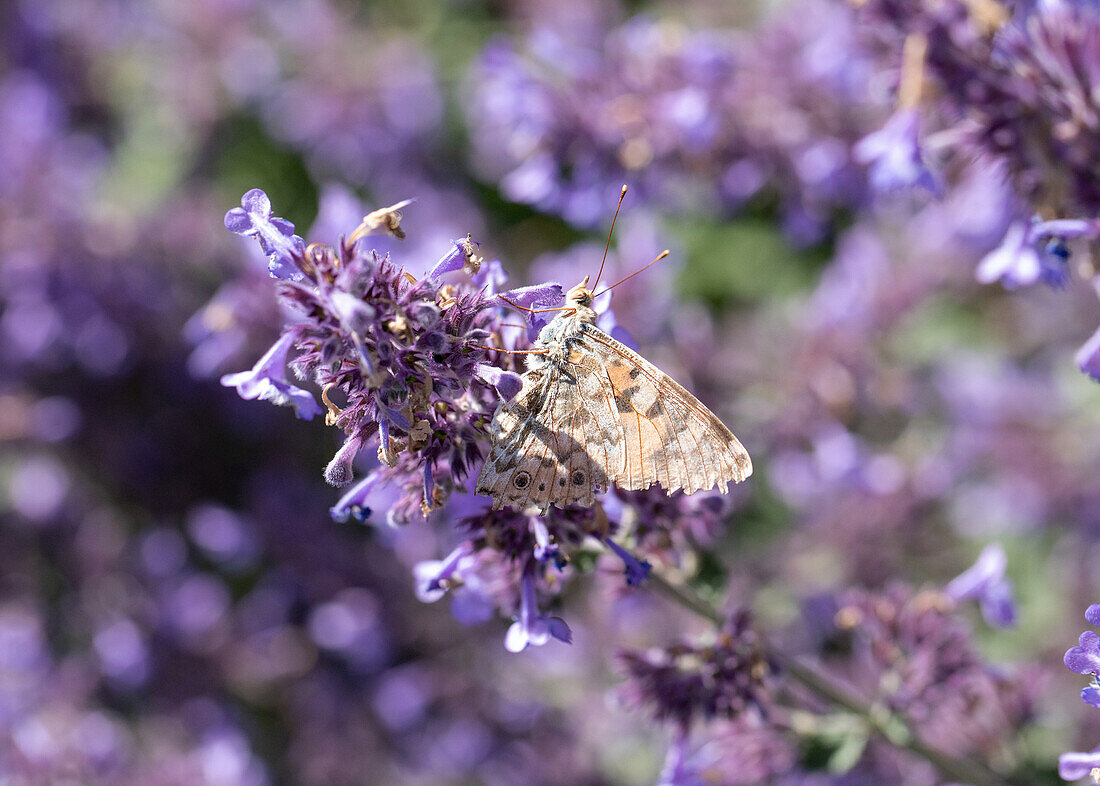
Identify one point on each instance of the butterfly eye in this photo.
(521, 480)
(577, 478)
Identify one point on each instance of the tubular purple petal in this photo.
(636, 571)
(507, 383)
(339, 471)
(1088, 360)
(267, 381)
(1074, 766)
(1084, 658)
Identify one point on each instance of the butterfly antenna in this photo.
(660, 256)
(622, 196)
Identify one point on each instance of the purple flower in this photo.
(1074, 766)
(435, 577)
(339, 471)
(1025, 96)
(518, 537)
(476, 582)
(1085, 657)
(462, 257)
(636, 571)
(1026, 254)
(1033, 251)
(1088, 356)
(241, 313)
(267, 381)
(741, 752)
(546, 548)
(531, 627)
(668, 524)
(1091, 695)
(1092, 614)
(370, 495)
(894, 155)
(407, 355)
(911, 653)
(491, 277)
(1015, 262)
(693, 119)
(985, 581)
(276, 235)
(507, 383)
(677, 769)
(688, 681)
(548, 295)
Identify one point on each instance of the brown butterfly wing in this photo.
(668, 436)
(556, 441)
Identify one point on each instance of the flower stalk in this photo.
(888, 724)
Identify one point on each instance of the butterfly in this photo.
(592, 412)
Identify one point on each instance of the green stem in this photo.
(891, 726)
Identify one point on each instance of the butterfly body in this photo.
(593, 412)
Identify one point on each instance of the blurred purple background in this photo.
(882, 219)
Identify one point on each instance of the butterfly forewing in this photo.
(669, 437)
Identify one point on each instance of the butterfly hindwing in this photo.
(668, 436)
(553, 442)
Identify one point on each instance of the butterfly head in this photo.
(580, 295)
